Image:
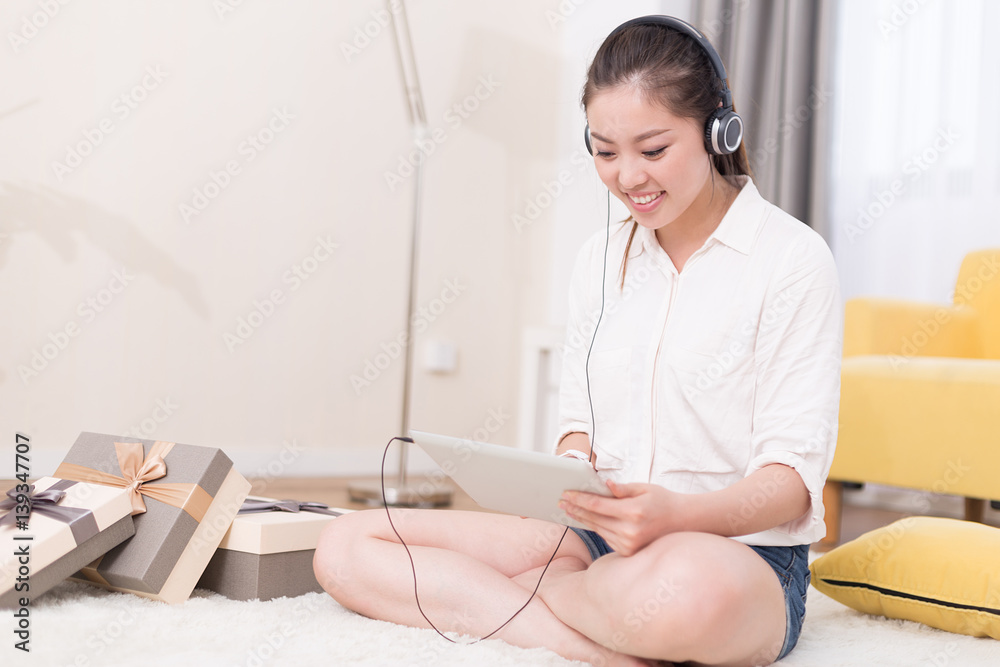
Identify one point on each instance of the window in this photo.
(915, 177)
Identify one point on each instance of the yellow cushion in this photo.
(944, 573)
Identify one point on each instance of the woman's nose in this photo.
(631, 174)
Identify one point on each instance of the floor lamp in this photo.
(402, 494)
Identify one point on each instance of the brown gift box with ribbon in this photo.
(183, 500)
(268, 551)
(69, 525)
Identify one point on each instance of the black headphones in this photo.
(724, 127)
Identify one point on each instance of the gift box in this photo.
(69, 525)
(183, 500)
(268, 551)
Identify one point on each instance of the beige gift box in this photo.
(183, 497)
(90, 520)
(268, 554)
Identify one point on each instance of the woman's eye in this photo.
(657, 153)
(605, 154)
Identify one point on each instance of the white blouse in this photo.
(700, 378)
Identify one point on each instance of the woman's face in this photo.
(652, 160)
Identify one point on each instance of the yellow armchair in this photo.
(920, 394)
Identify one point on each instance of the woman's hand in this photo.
(640, 513)
(634, 517)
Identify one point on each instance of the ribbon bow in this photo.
(81, 521)
(137, 472)
(294, 506)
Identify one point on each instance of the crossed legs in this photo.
(687, 596)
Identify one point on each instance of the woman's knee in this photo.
(707, 590)
(679, 599)
(338, 552)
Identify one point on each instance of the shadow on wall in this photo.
(529, 79)
(59, 218)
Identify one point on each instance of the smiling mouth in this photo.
(646, 199)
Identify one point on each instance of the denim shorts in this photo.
(790, 564)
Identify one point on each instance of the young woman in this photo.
(714, 378)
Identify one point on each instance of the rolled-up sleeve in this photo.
(797, 358)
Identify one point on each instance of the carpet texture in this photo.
(76, 624)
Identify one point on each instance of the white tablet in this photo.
(514, 481)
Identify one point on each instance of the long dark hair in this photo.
(671, 70)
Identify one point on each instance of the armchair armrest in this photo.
(909, 329)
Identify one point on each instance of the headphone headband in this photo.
(693, 33)
(723, 127)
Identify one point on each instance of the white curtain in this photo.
(915, 175)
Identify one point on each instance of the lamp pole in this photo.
(402, 494)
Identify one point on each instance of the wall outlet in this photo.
(441, 356)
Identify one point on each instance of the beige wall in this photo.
(120, 308)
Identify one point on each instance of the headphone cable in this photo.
(593, 428)
(593, 339)
(413, 568)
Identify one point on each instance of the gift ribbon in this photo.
(294, 506)
(81, 521)
(137, 473)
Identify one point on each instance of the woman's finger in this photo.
(593, 520)
(627, 490)
(592, 502)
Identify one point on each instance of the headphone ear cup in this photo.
(586, 139)
(723, 132)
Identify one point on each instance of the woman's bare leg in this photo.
(466, 563)
(686, 597)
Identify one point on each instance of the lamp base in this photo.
(400, 496)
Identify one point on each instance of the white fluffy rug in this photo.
(79, 625)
